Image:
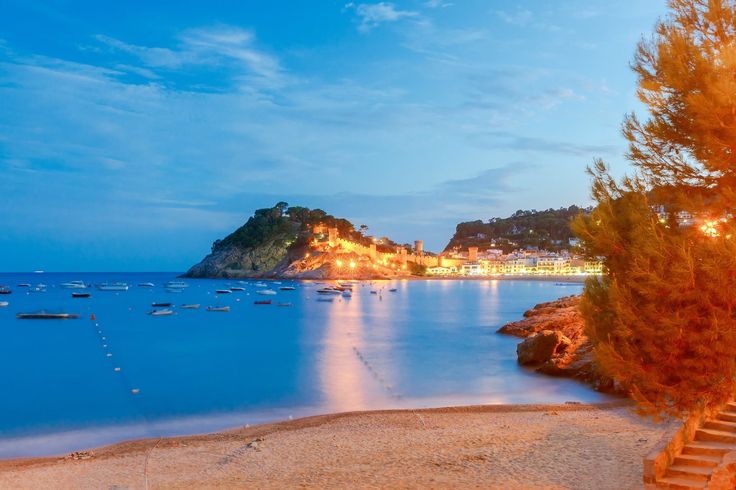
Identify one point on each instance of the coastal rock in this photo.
(541, 347)
(234, 261)
(555, 343)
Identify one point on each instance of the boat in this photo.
(146, 285)
(327, 300)
(218, 308)
(176, 285)
(267, 292)
(160, 305)
(261, 285)
(328, 291)
(81, 295)
(44, 315)
(374, 292)
(392, 290)
(164, 312)
(174, 290)
(223, 291)
(3, 304)
(5, 290)
(262, 302)
(190, 307)
(287, 288)
(74, 285)
(284, 304)
(237, 288)
(347, 294)
(24, 285)
(112, 286)
(41, 288)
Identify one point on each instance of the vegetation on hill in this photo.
(549, 230)
(662, 319)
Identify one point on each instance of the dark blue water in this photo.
(431, 343)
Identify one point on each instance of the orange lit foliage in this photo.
(663, 319)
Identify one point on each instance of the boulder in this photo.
(542, 347)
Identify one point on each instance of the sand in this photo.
(510, 447)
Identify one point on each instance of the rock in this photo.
(555, 342)
(542, 347)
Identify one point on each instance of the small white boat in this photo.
(74, 285)
(347, 294)
(218, 308)
(223, 291)
(164, 312)
(284, 304)
(261, 285)
(266, 292)
(190, 307)
(146, 285)
(3, 304)
(176, 285)
(44, 315)
(113, 286)
(237, 288)
(328, 291)
(287, 288)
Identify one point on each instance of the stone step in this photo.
(715, 436)
(727, 415)
(708, 448)
(677, 483)
(690, 472)
(731, 406)
(697, 460)
(720, 425)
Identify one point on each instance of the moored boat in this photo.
(44, 315)
(112, 286)
(81, 295)
(176, 285)
(326, 300)
(328, 291)
(237, 288)
(267, 292)
(74, 285)
(5, 290)
(146, 285)
(189, 307)
(284, 304)
(164, 312)
(347, 294)
(262, 302)
(24, 285)
(3, 304)
(218, 308)
(223, 291)
(287, 288)
(160, 305)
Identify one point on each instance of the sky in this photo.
(134, 134)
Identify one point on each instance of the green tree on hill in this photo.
(662, 319)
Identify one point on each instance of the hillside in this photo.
(278, 242)
(549, 230)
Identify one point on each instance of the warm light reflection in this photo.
(710, 229)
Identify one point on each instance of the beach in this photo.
(567, 446)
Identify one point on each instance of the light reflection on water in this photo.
(432, 343)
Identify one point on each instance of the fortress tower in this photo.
(472, 254)
(419, 247)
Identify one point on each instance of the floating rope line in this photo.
(390, 389)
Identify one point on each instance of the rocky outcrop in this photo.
(555, 342)
(234, 261)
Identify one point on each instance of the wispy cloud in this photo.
(207, 46)
(433, 4)
(519, 17)
(374, 14)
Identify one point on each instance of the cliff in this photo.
(555, 342)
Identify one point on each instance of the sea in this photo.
(117, 373)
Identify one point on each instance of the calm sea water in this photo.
(431, 343)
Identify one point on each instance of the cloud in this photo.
(433, 4)
(505, 140)
(520, 17)
(374, 14)
(207, 46)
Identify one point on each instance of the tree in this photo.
(363, 229)
(662, 319)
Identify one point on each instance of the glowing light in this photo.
(307, 255)
(709, 229)
(352, 264)
(338, 263)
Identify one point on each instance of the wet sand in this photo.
(568, 446)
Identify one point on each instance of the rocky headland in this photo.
(555, 342)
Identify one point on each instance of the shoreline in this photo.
(598, 445)
(258, 430)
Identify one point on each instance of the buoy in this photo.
(117, 369)
(92, 317)
(135, 391)
(109, 355)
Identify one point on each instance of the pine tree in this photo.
(662, 319)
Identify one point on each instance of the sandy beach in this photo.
(567, 446)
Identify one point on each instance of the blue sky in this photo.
(133, 134)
